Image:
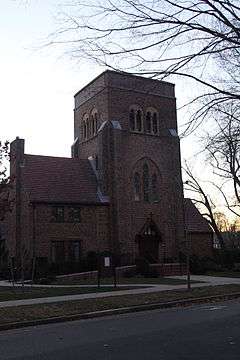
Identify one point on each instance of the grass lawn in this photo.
(8, 293)
(127, 281)
(43, 311)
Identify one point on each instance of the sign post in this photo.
(106, 265)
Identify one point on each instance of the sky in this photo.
(37, 83)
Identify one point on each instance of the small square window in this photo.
(75, 214)
(57, 214)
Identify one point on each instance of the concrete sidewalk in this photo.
(153, 288)
(209, 280)
(212, 280)
(7, 284)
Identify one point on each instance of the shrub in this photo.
(41, 267)
(236, 267)
(152, 273)
(142, 266)
(92, 261)
(129, 273)
(209, 264)
(227, 257)
(5, 273)
(126, 259)
(197, 266)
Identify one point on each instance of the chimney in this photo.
(16, 160)
(16, 154)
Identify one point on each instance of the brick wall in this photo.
(122, 151)
(92, 231)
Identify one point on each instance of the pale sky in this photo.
(38, 84)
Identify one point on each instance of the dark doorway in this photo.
(148, 241)
(148, 247)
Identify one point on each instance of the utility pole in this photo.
(187, 242)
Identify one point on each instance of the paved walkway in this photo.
(208, 280)
(212, 280)
(7, 284)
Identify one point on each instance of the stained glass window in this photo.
(137, 187)
(145, 182)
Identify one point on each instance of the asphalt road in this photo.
(199, 332)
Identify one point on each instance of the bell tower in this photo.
(127, 126)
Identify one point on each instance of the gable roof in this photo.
(195, 222)
(58, 179)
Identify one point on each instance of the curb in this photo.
(118, 311)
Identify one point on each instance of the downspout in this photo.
(33, 240)
(18, 211)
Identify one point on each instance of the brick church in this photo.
(121, 191)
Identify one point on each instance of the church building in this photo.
(120, 192)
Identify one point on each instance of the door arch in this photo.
(148, 241)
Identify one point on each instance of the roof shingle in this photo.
(195, 222)
(58, 179)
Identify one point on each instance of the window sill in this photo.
(147, 202)
(143, 133)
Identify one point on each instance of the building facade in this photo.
(120, 192)
(136, 156)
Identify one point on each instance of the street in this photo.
(207, 331)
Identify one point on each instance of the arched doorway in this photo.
(148, 241)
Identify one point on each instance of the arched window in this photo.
(84, 130)
(137, 187)
(81, 132)
(148, 122)
(95, 122)
(85, 125)
(145, 182)
(94, 117)
(151, 121)
(139, 120)
(136, 118)
(91, 127)
(155, 195)
(132, 120)
(155, 123)
(88, 128)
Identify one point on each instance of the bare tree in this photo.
(203, 201)
(229, 229)
(4, 179)
(223, 147)
(195, 39)
(222, 221)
